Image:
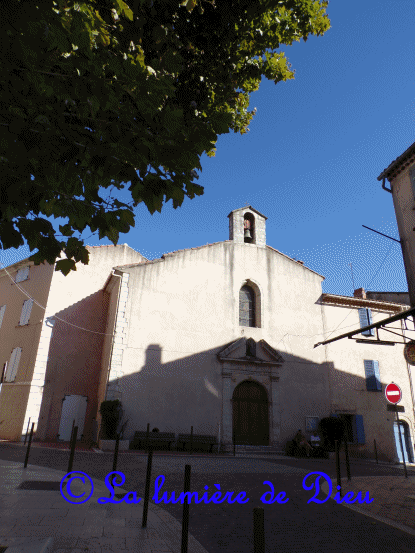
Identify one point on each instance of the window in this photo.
(2, 310)
(246, 306)
(354, 430)
(22, 274)
(365, 318)
(13, 365)
(372, 375)
(26, 310)
(311, 424)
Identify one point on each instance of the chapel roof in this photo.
(248, 207)
(169, 254)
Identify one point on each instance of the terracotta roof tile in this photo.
(399, 164)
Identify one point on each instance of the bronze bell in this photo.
(247, 233)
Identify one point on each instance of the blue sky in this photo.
(311, 159)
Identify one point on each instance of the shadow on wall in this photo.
(187, 392)
(74, 362)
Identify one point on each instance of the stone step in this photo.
(258, 450)
(26, 545)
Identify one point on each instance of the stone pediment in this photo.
(246, 350)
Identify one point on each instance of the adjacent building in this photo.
(401, 176)
(219, 337)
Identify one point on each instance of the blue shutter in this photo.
(358, 430)
(364, 321)
(377, 375)
(370, 332)
(370, 375)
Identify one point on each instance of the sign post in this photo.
(393, 394)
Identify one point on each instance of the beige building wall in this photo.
(14, 395)
(62, 345)
(398, 173)
(404, 204)
(183, 309)
(348, 391)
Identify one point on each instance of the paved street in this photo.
(291, 527)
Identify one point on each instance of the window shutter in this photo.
(26, 310)
(2, 310)
(22, 274)
(363, 319)
(360, 431)
(13, 365)
(370, 375)
(370, 332)
(377, 375)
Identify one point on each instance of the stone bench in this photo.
(154, 438)
(197, 439)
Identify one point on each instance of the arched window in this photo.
(246, 306)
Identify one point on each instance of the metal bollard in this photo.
(346, 450)
(185, 519)
(147, 436)
(191, 440)
(28, 445)
(339, 481)
(147, 491)
(114, 464)
(259, 532)
(376, 452)
(73, 426)
(73, 445)
(27, 431)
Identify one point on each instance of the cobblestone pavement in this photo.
(219, 528)
(393, 498)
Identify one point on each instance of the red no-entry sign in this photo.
(393, 393)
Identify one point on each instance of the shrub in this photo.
(112, 418)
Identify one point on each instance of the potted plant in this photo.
(113, 424)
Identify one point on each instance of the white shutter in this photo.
(2, 310)
(22, 274)
(13, 365)
(26, 310)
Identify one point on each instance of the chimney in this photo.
(360, 293)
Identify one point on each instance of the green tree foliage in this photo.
(100, 95)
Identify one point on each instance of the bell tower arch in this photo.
(247, 226)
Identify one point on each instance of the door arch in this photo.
(406, 441)
(250, 414)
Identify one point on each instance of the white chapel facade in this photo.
(219, 338)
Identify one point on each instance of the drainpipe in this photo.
(384, 187)
(113, 336)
